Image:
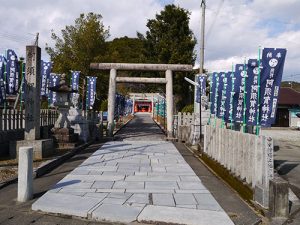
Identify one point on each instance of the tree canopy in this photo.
(123, 50)
(79, 45)
(168, 40)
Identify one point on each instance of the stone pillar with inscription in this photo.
(41, 147)
(32, 93)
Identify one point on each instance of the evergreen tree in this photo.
(79, 44)
(170, 40)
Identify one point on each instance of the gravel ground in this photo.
(9, 169)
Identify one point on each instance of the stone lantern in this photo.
(62, 131)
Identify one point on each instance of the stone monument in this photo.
(41, 148)
(79, 124)
(64, 135)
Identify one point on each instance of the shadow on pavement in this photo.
(283, 167)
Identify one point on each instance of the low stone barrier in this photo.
(187, 126)
(247, 157)
(6, 137)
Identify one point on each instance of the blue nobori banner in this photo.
(75, 86)
(222, 99)
(216, 105)
(91, 92)
(75, 80)
(128, 106)
(240, 75)
(23, 81)
(119, 105)
(12, 73)
(53, 81)
(273, 63)
(45, 73)
(252, 92)
(220, 108)
(229, 96)
(2, 79)
(201, 80)
(213, 83)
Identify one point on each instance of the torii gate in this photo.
(168, 80)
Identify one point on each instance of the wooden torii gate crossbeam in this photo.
(168, 80)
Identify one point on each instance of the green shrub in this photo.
(103, 106)
(188, 108)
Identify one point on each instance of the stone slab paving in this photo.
(126, 181)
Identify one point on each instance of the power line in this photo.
(215, 19)
(16, 37)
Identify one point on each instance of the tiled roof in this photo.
(288, 96)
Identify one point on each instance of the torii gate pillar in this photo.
(169, 98)
(111, 101)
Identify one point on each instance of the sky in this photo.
(234, 28)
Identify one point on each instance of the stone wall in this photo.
(247, 157)
(16, 135)
(9, 135)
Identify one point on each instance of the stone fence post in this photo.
(279, 198)
(25, 176)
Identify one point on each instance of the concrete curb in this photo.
(247, 202)
(117, 131)
(158, 124)
(40, 171)
(49, 165)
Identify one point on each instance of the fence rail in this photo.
(15, 119)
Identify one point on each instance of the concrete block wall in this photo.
(247, 156)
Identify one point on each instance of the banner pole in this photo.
(222, 101)
(210, 93)
(258, 94)
(4, 81)
(216, 100)
(48, 85)
(21, 86)
(86, 98)
(244, 108)
(231, 98)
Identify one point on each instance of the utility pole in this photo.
(203, 6)
(197, 106)
(201, 67)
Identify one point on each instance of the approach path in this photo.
(140, 177)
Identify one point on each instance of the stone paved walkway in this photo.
(130, 180)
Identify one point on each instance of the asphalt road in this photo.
(287, 155)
